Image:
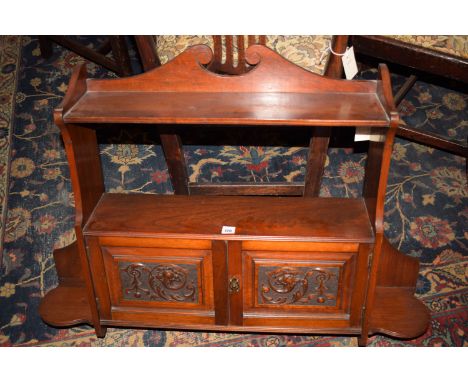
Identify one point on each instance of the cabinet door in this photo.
(300, 285)
(154, 282)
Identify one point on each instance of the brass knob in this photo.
(320, 299)
(234, 285)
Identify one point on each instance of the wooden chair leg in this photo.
(147, 50)
(403, 91)
(433, 140)
(339, 137)
(105, 47)
(316, 159)
(119, 65)
(174, 154)
(46, 47)
(419, 136)
(320, 141)
(120, 54)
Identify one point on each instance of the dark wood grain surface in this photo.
(274, 92)
(335, 109)
(171, 246)
(278, 218)
(65, 306)
(397, 312)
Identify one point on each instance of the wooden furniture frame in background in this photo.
(422, 60)
(119, 63)
(412, 56)
(294, 264)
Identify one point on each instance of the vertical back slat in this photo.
(229, 52)
(217, 48)
(241, 64)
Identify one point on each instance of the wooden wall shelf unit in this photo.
(294, 264)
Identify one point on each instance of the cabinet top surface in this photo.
(255, 218)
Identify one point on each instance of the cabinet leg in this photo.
(101, 331)
(362, 340)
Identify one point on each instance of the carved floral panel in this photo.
(308, 286)
(159, 282)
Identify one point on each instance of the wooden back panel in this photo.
(271, 73)
(234, 47)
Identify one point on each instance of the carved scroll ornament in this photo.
(160, 282)
(298, 285)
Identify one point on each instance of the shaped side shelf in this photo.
(67, 304)
(398, 313)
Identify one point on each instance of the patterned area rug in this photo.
(10, 50)
(426, 206)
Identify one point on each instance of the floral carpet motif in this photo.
(425, 216)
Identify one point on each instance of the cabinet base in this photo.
(396, 311)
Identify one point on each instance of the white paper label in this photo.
(362, 134)
(226, 230)
(365, 133)
(349, 63)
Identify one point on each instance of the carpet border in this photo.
(5, 160)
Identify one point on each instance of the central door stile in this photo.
(220, 281)
(235, 282)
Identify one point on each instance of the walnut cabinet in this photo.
(296, 263)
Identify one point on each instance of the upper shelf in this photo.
(274, 92)
(229, 108)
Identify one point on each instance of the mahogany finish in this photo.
(294, 264)
(220, 280)
(147, 50)
(391, 311)
(66, 306)
(256, 218)
(236, 44)
(71, 293)
(174, 154)
(232, 188)
(234, 108)
(150, 60)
